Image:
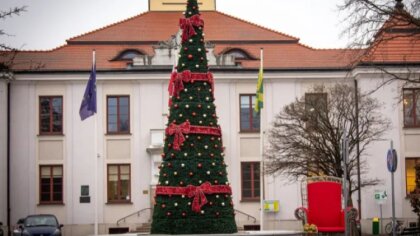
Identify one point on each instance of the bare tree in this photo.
(7, 52)
(370, 23)
(305, 136)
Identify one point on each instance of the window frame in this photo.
(118, 183)
(50, 132)
(309, 124)
(118, 115)
(416, 91)
(416, 160)
(250, 130)
(252, 164)
(51, 192)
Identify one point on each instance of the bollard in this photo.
(375, 226)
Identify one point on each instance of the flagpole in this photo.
(261, 153)
(96, 157)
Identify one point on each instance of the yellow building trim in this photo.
(179, 5)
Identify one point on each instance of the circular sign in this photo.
(391, 160)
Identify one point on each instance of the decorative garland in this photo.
(187, 26)
(196, 192)
(176, 84)
(187, 128)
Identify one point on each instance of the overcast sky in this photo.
(48, 23)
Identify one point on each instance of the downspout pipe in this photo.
(9, 228)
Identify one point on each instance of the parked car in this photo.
(46, 225)
(17, 228)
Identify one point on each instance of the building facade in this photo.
(52, 152)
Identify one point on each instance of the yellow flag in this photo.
(259, 104)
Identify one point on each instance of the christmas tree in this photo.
(193, 195)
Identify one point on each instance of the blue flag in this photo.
(88, 106)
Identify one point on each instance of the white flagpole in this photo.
(261, 153)
(96, 155)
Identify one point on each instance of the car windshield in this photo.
(32, 221)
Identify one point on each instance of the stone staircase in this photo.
(143, 228)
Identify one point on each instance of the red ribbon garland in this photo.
(196, 192)
(176, 84)
(187, 128)
(187, 26)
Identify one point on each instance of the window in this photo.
(315, 107)
(411, 102)
(250, 120)
(250, 175)
(51, 115)
(410, 173)
(119, 183)
(118, 114)
(51, 184)
(128, 55)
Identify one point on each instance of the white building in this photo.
(52, 154)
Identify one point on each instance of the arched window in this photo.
(238, 53)
(128, 55)
(233, 57)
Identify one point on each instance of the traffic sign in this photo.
(392, 160)
(380, 196)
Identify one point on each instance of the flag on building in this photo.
(88, 106)
(259, 104)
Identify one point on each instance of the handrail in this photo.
(138, 213)
(246, 214)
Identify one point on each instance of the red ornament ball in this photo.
(194, 114)
(191, 173)
(190, 57)
(181, 183)
(184, 214)
(169, 164)
(199, 105)
(163, 205)
(199, 165)
(217, 213)
(185, 49)
(168, 213)
(216, 181)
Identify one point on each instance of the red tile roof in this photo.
(142, 32)
(396, 42)
(158, 26)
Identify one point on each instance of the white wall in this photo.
(23, 167)
(148, 106)
(3, 151)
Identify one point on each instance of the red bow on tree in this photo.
(176, 84)
(198, 193)
(178, 131)
(187, 26)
